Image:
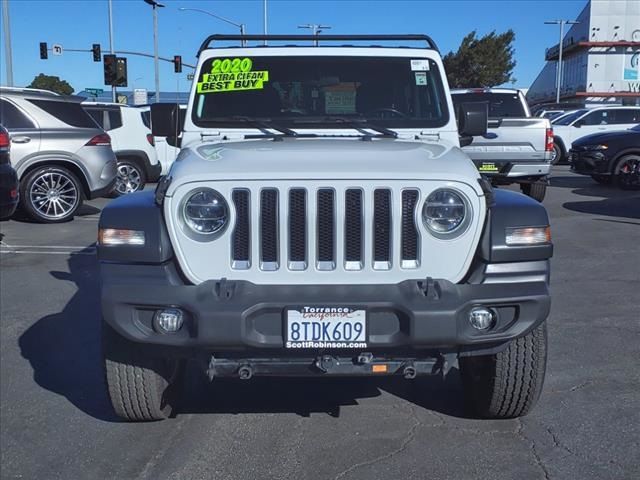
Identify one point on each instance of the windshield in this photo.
(320, 90)
(636, 128)
(501, 105)
(567, 119)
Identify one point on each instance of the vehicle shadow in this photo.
(611, 201)
(64, 348)
(304, 396)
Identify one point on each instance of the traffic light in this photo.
(96, 52)
(177, 63)
(43, 51)
(121, 72)
(109, 65)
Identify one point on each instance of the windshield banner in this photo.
(231, 75)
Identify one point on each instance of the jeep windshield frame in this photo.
(320, 92)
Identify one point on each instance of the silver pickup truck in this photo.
(517, 147)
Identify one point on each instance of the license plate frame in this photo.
(332, 327)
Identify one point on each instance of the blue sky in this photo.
(79, 23)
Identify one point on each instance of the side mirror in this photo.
(473, 119)
(578, 124)
(165, 119)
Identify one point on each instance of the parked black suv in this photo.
(609, 157)
(9, 195)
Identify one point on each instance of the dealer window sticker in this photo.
(419, 65)
(232, 75)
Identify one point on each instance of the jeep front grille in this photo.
(339, 220)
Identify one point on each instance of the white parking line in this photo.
(5, 248)
(30, 252)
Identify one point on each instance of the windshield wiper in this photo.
(263, 126)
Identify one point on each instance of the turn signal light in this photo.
(114, 237)
(379, 368)
(528, 235)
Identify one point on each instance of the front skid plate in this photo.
(323, 365)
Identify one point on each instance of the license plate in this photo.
(488, 167)
(326, 327)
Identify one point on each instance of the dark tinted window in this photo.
(599, 117)
(70, 113)
(293, 91)
(146, 118)
(115, 118)
(12, 118)
(567, 118)
(501, 105)
(97, 115)
(626, 115)
(636, 128)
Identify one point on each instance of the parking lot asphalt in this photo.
(56, 422)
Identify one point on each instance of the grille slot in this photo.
(409, 253)
(269, 229)
(382, 229)
(353, 223)
(326, 229)
(297, 229)
(241, 237)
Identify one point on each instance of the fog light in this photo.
(481, 318)
(168, 321)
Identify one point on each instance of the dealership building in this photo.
(600, 58)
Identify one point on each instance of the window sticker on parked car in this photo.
(420, 65)
(421, 78)
(231, 75)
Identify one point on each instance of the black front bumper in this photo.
(9, 186)
(239, 317)
(589, 162)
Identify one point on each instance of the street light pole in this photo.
(241, 26)
(113, 88)
(316, 30)
(264, 20)
(155, 5)
(562, 23)
(7, 42)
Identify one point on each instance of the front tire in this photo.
(50, 194)
(131, 178)
(508, 383)
(557, 154)
(537, 190)
(141, 387)
(626, 173)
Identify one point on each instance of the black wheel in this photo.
(507, 384)
(50, 194)
(131, 178)
(626, 173)
(603, 179)
(557, 155)
(536, 190)
(141, 387)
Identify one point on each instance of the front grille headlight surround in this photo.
(446, 213)
(204, 214)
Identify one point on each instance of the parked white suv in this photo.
(132, 143)
(167, 148)
(587, 121)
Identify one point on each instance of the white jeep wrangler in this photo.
(321, 219)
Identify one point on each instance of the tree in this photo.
(51, 83)
(482, 62)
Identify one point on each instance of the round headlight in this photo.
(445, 212)
(205, 211)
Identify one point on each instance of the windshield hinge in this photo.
(204, 135)
(435, 136)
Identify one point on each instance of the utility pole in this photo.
(562, 23)
(316, 30)
(264, 19)
(113, 88)
(155, 6)
(7, 42)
